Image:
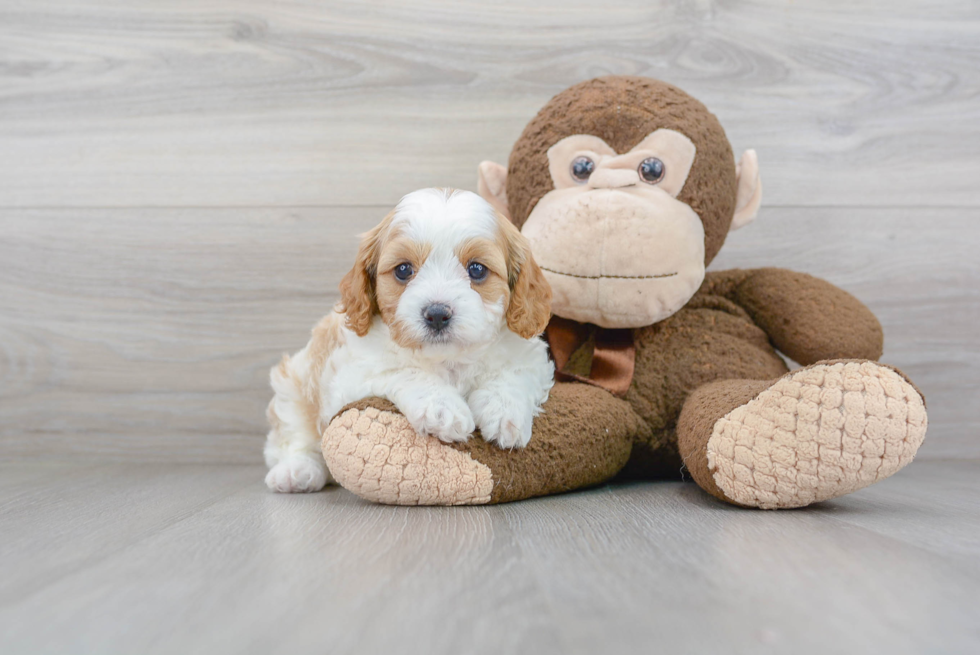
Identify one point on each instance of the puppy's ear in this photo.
(357, 293)
(530, 294)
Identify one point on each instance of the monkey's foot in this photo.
(814, 434)
(376, 454)
(583, 437)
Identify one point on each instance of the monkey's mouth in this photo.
(609, 277)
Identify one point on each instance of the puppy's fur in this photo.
(483, 366)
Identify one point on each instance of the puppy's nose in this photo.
(437, 316)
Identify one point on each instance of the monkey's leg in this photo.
(583, 437)
(814, 434)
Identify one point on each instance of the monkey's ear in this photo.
(491, 183)
(749, 195)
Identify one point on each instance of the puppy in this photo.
(440, 315)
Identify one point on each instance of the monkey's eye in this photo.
(582, 168)
(403, 272)
(478, 272)
(651, 170)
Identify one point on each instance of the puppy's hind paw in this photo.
(298, 473)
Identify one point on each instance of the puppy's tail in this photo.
(289, 412)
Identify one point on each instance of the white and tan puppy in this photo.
(440, 315)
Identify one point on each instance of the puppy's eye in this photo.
(477, 271)
(403, 272)
(651, 170)
(582, 168)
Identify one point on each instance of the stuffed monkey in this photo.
(626, 188)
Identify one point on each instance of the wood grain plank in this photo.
(219, 103)
(159, 323)
(623, 568)
(258, 572)
(148, 334)
(664, 563)
(931, 505)
(64, 520)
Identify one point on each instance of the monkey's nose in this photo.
(613, 178)
(437, 316)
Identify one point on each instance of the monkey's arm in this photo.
(806, 318)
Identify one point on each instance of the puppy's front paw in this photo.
(297, 473)
(503, 422)
(446, 417)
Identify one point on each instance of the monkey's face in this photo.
(626, 188)
(617, 246)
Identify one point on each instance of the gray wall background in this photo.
(181, 183)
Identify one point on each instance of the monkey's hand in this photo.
(807, 318)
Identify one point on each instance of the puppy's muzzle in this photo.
(437, 317)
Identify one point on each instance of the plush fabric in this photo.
(675, 149)
(710, 396)
(814, 434)
(622, 111)
(586, 437)
(372, 450)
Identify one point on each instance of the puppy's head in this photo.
(445, 271)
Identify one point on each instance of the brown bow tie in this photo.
(612, 361)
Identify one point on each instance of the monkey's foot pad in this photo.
(816, 434)
(377, 455)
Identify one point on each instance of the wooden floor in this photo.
(167, 558)
(181, 184)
